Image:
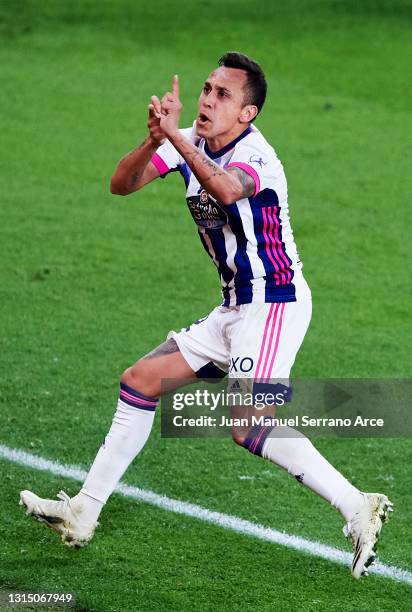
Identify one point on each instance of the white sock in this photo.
(128, 434)
(296, 454)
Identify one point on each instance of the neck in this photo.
(218, 142)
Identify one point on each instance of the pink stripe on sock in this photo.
(256, 440)
(137, 400)
(260, 435)
(262, 346)
(275, 349)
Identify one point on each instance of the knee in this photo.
(138, 378)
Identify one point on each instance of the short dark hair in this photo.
(256, 86)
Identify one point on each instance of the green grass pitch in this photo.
(89, 282)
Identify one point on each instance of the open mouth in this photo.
(202, 119)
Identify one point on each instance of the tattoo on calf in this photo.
(166, 348)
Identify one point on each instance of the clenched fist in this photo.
(156, 133)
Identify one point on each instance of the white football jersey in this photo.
(250, 241)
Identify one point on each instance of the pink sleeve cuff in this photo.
(159, 164)
(249, 170)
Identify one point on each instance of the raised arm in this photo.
(226, 186)
(134, 169)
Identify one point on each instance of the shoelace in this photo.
(64, 497)
(347, 529)
(351, 525)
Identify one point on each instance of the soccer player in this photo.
(236, 192)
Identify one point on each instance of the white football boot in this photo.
(60, 516)
(364, 529)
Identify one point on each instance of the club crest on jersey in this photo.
(206, 212)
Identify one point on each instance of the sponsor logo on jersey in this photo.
(206, 212)
(240, 364)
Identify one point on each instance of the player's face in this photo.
(221, 105)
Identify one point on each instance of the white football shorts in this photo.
(258, 341)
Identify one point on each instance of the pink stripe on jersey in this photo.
(262, 346)
(273, 225)
(275, 349)
(249, 170)
(268, 245)
(272, 331)
(279, 246)
(159, 164)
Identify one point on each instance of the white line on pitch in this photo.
(226, 521)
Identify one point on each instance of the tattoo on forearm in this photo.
(216, 170)
(128, 163)
(191, 155)
(135, 177)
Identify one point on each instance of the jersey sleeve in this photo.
(255, 160)
(167, 159)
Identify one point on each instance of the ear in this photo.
(248, 113)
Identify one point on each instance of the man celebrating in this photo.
(236, 192)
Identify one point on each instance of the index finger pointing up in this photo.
(175, 85)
